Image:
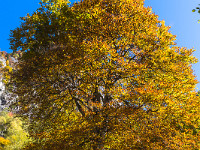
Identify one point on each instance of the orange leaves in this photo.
(4, 142)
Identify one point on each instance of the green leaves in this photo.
(13, 130)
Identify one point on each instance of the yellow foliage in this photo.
(3, 142)
(104, 74)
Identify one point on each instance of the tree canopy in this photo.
(104, 74)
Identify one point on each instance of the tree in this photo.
(104, 74)
(13, 132)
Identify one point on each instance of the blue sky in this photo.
(176, 13)
(184, 24)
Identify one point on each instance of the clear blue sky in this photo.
(176, 13)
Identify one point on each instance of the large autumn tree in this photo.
(104, 74)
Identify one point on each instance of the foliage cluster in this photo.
(6, 69)
(13, 134)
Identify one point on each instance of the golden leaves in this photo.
(105, 74)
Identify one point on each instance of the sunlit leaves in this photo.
(104, 74)
(13, 132)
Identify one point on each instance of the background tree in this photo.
(104, 74)
(13, 132)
